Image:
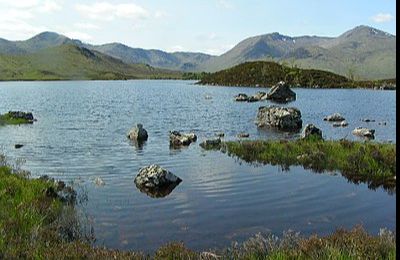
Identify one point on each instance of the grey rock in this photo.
(336, 117)
(220, 134)
(154, 176)
(281, 92)
(285, 118)
(311, 130)
(243, 135)
(340, 124)
(181, 139)
(138, 133)
(18, 146)
(241, 97)
(365, 132)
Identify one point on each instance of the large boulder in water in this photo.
(155, 181)
(154, 176)
(365, 132)
(138, 133)
(241, 97)
(311, 130)
(285, 118)
(281, 92)
(177, 139)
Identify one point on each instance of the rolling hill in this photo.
(71, 62)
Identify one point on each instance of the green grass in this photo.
(369, 162)
(6, 119)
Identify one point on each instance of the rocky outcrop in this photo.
(138, 133)
(365, 132)
(285, 118)
(311, 130)
(155, 181)
(259, 96)
(180, 139)
(336, 117)
(281, 92)
(241, 97)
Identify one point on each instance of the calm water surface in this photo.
(81, 134)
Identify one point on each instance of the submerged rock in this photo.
(336, 117)
(99, 181)
(180, 139)
(211, 144)
(311, 130)
(138, 133)
(285, 118)
(243, 135)
(281, 92)
(365, 132)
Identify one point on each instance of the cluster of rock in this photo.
(259, 96)
(285, 118)
(177, 139)
(28, 116)
(281, 93)
(156, 181)
(138, 134)
(386, 87)
(337, 119)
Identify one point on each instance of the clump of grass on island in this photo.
(369, 162)
(33, 225)
(10, 119)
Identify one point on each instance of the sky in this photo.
(209, 26)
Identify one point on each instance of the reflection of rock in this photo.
(138, 133)
(154, 176)
(285, 118)
(336, 117)
(281, 93)
(340, 124)
(311, 130)
(361, 131)
(177, 139)
(157, 192)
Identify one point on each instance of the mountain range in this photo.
(360, 53)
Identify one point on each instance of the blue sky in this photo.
(211, 26)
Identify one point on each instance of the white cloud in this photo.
(86, 26)
(107, 11)
(219, 50)
(176, 48)
(382, 18)
(49, 6)
(160, 14)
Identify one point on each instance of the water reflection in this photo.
(158, 192)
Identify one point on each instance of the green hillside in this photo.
(70, 62)
(266, 74)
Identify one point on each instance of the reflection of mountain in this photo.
(158, 192)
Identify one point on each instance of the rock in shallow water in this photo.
(362, 131)
(336, 117)
(177, 139)
(281, 92)
(311, 130)
(285, 118)
(154, 176)
(138, 133)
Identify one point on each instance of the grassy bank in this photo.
(372, 163)
(34, 225)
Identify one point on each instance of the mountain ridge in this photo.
(362, 52)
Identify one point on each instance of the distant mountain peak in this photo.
(366, 31)
(47, 36)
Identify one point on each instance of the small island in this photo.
(16, 118)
